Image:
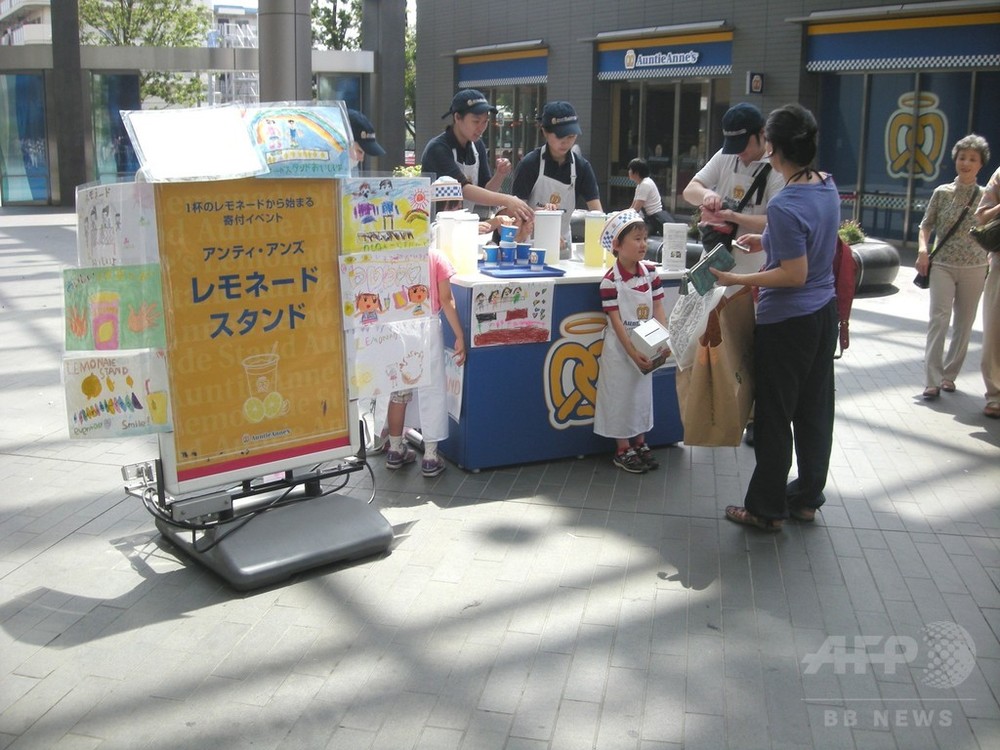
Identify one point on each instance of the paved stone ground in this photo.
(562, 605)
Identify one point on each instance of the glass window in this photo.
(114, 158)
(904, 150)
(667, 124)
(986, 118)
(514, 130)
(625, 99)
(345, 88)
(24, 163)
(887, 157)
(840, 129)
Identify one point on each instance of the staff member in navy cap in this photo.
(733, 172)
(364, 138)
(459, 152)
(554, 176)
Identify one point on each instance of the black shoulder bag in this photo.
(711, 235)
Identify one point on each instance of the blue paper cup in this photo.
(507, 234)
(491, 255)
(536, 258)
(523, 252)
(508, 253)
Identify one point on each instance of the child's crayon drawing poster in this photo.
(395, 356)
(453, 384)
(301, 140)
(386, 213)
(385, 287)
(113, 307)
(513, 312)
(119, 394)
(116, 224)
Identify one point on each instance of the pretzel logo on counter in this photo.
(571, 368)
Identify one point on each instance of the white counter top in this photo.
(576, 273)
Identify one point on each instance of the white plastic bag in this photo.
(687, 323)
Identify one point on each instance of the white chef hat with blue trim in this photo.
(616, 223)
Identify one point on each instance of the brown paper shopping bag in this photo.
(715, 394)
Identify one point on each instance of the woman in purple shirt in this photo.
(796, 333)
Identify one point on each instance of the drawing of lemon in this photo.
(273, 404)
(253, 409)
(91, 386)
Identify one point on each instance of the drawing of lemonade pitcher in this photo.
(262, 382)
(104, 319)
(157, 403)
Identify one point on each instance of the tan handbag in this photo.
(715, 394)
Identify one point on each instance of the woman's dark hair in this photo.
(791, 131)
(640, 167)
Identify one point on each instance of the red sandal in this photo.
(740, 515)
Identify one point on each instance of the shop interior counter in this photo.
(530, 377)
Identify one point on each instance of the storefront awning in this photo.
(504, 68)
(958, 41)
(677, 56)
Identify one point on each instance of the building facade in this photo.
(893, 86)
(60, 101)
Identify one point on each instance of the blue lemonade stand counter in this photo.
(529, 402)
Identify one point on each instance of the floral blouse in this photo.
(945, 206)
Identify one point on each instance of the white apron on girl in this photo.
(550, 190)
(624, 405)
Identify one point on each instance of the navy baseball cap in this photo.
(469, 100)
(560, 118)
(739, 123)
(364, 133)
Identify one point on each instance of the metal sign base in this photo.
(275, 545)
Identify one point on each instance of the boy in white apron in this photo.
(630, 294)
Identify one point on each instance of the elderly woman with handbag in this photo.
(989, 210)
(959, 266)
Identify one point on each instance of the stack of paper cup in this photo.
(548, 233)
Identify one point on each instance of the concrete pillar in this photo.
(383, 31)
(285, 50)
(68, 113)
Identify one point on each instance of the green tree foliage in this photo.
(336, 24)
(150, 23)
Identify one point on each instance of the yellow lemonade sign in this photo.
(255, 342)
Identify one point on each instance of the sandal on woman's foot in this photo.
(931, 393)
(992, 410)
(737, 514)
(948, 386)
(806, 515)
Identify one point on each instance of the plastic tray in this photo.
(521, 272)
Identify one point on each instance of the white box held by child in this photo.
(650, 338)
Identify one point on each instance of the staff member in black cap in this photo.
(364, 138)
(554, 176)
(738, 168)
(459, 152)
